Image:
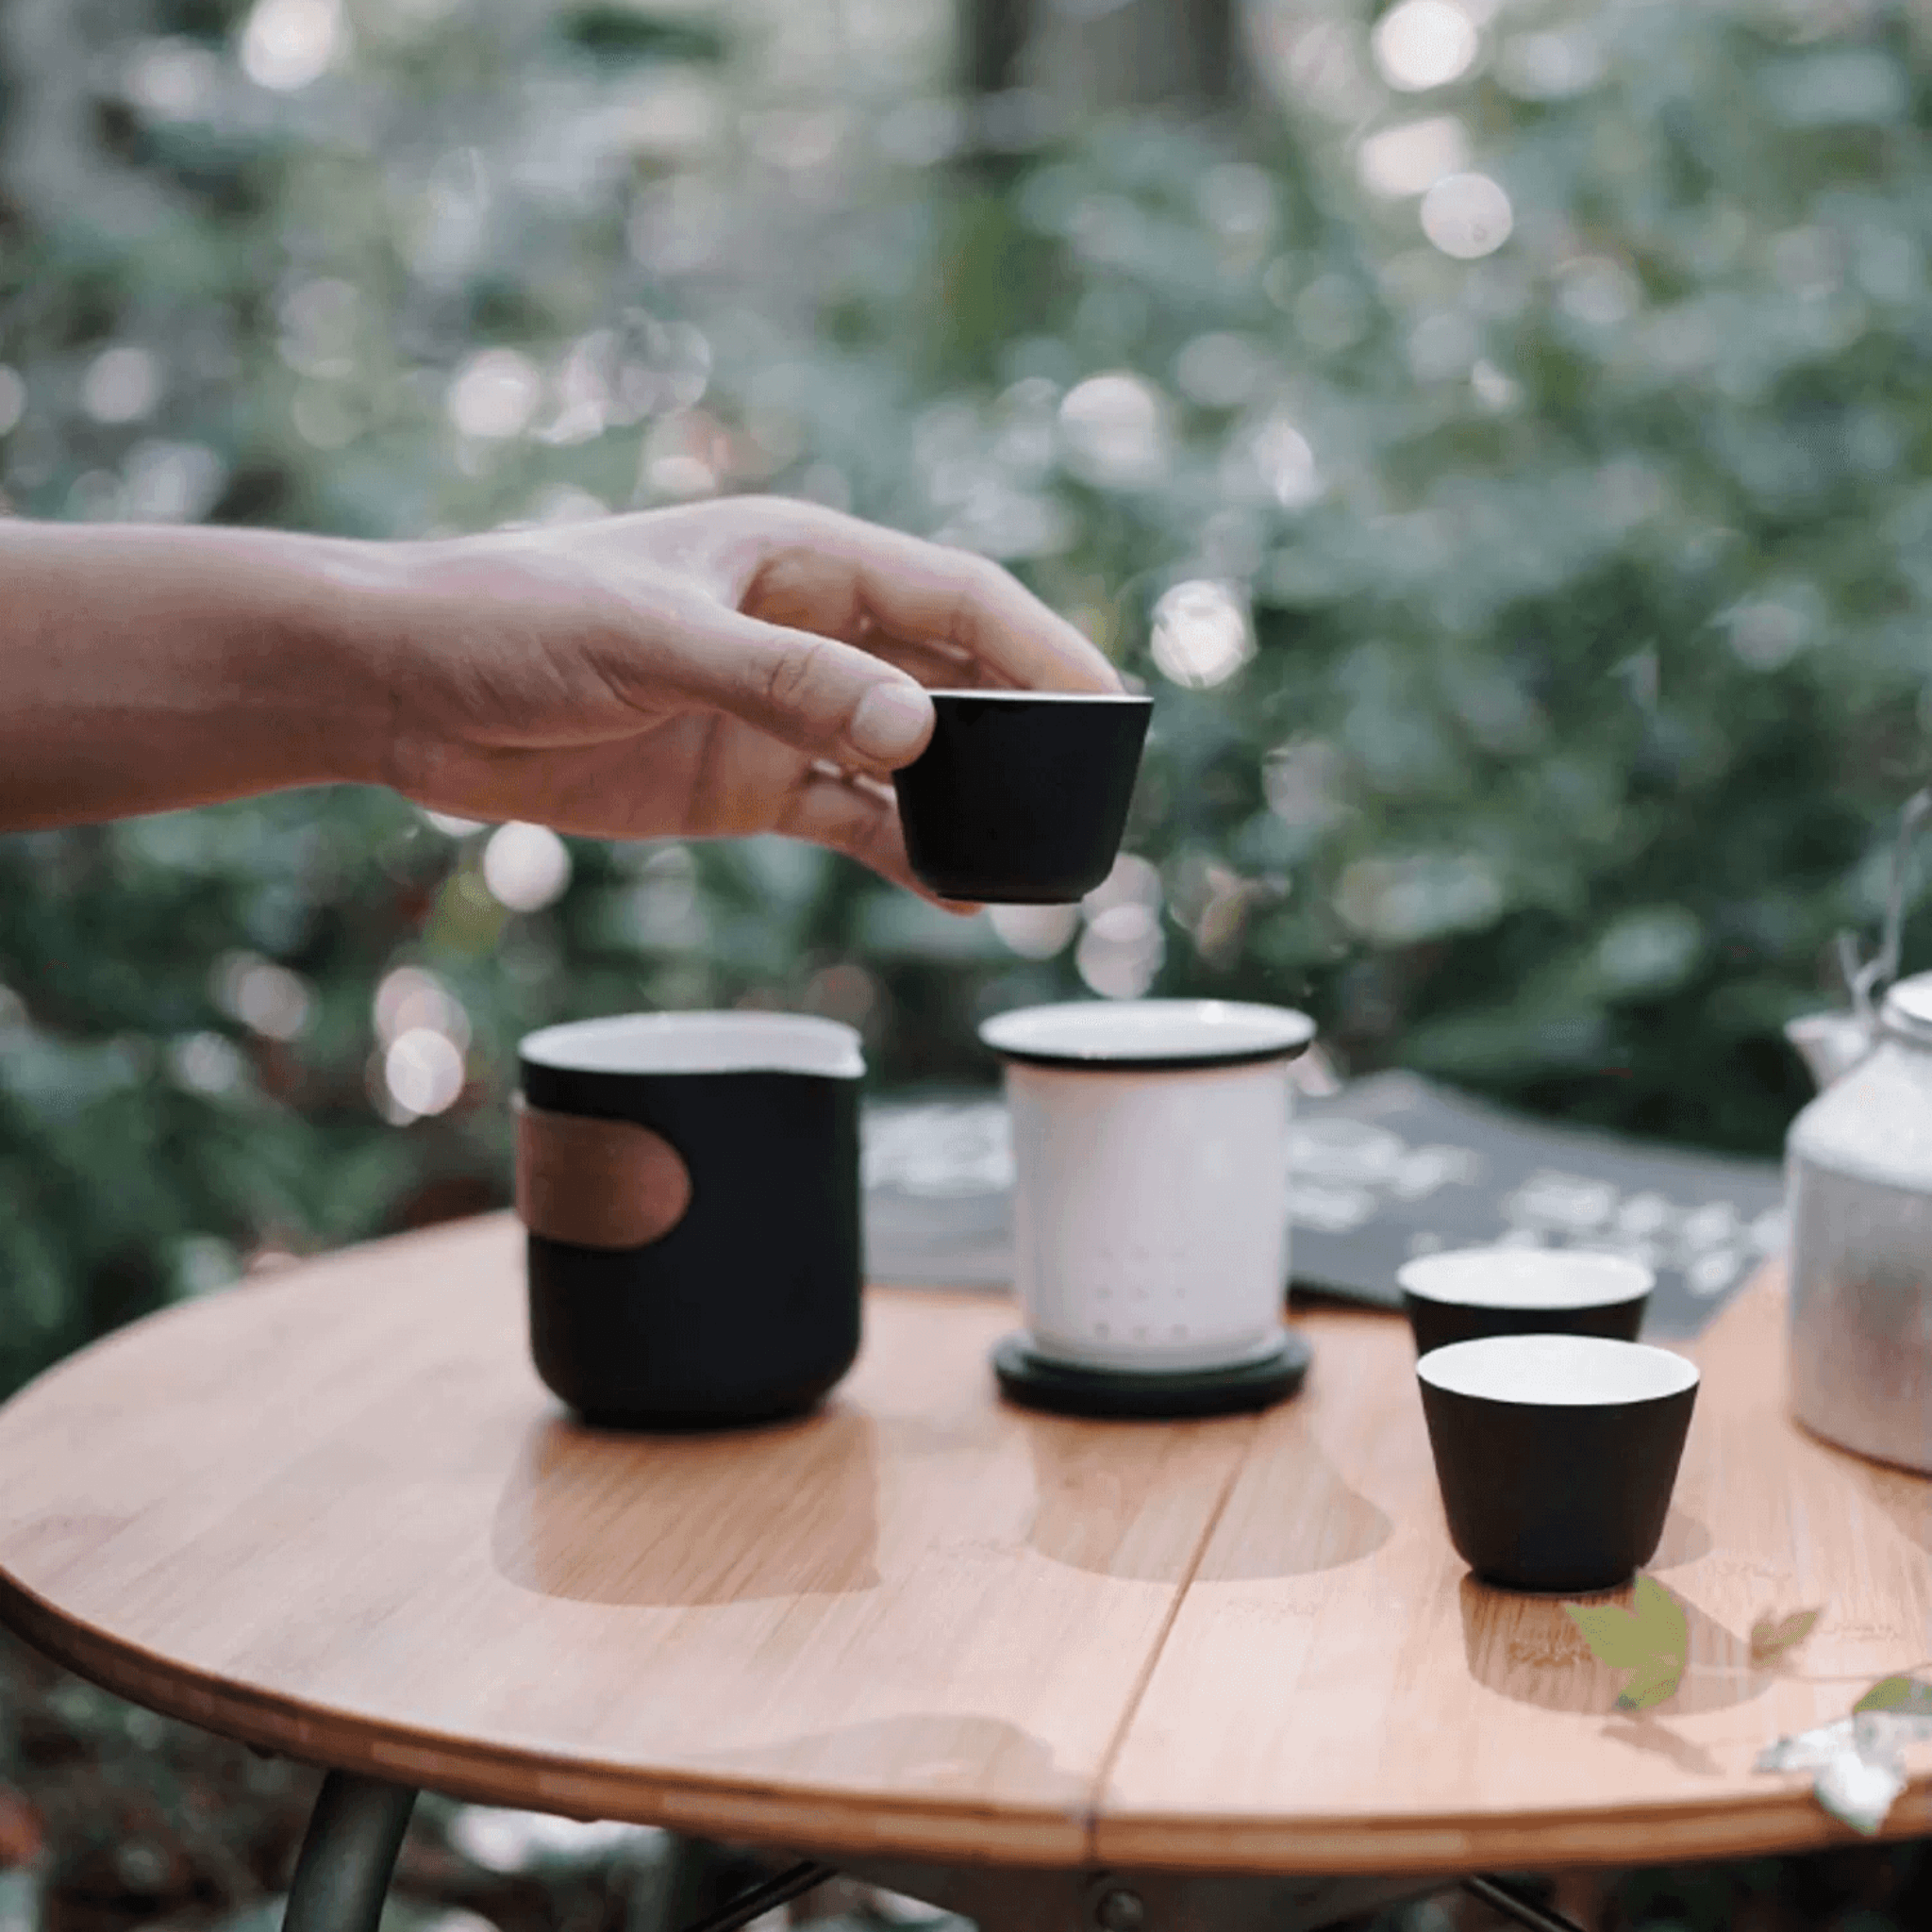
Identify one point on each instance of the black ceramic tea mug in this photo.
(689, 1184)
(1556, 1454)
(1021, 796)
(1461, 1294)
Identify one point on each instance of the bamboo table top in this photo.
(335, 1514)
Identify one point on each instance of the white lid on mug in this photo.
(699, 1044)
(1148, 1036)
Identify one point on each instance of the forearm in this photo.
(145, 668)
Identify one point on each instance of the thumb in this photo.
(827, 699)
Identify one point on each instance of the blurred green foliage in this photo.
(1531, 572)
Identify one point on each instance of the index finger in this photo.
(924, 591)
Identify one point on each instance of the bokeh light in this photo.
(685, 455)
(288, 44)
(494, 394)
(1422, 43)
(206, 1063)
(1493, 389)
(526, 867)
(506, 1841)
(409, 999)
(1122, 946)
(122, 384)
(1284, 462)
(1467, 216)
(267, 998)
(1114, 431)
(1121, 951)
(1035, 932)
(1201, 633)
(173, 78)
(424, 1071)
(1412, 158)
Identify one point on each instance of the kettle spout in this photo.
(1831, 1044)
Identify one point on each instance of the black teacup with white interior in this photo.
(1556, 1454)
(1021, 796)
(689, 1182)
(1463, 1293)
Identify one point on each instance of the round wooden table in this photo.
(334, 1514)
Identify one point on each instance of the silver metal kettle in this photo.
(1858, 1181)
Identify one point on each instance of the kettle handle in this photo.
(1880, 970)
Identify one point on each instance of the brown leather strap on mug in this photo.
(596, 1184)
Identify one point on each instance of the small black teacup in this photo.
(1021, 797)
(1461, 1294)
(1556, 1454)
(689, 1182)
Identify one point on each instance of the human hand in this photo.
(744, 665)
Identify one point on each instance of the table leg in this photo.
(341, 1876)
(1513, 1904)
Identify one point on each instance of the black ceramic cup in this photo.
(690, 1184)
(1464, 1293)
(1021, 797)
(1556, 1454)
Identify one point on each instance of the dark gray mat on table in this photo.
(1390, 1166)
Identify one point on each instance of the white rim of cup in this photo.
(1042, 697)
(1560, 1371)
(1435, 1277)
(1149, 1036)
(699, 1044)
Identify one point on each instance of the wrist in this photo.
(347, 615)
(393, 607)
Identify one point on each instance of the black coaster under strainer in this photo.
(1038, 1381)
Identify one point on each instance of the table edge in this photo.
(1785, 1818)
(744, 1809)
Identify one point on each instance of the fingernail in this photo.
(891, 722)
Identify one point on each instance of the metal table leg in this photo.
(341, 1876)
(1513, 1904)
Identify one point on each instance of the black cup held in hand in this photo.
(1020, 797)
(689, 1182)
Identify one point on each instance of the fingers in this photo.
(844, 571)
(858, 817)
(938, 667)
(827, 699)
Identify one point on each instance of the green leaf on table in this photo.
(1650, 1683)
(1771, 1637)
(1662, 1619)
(1908, 1697)
(1652, 1640)
(1612, 1633)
